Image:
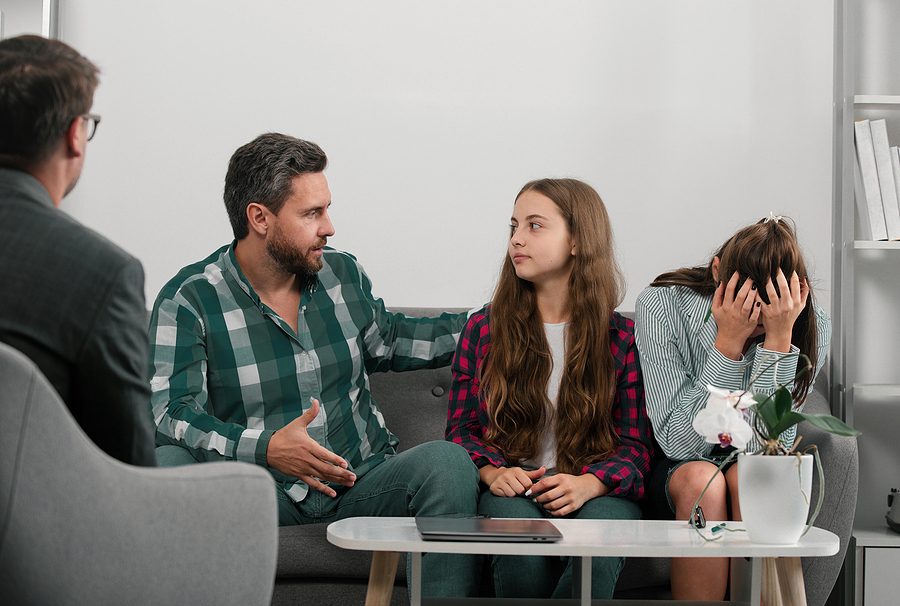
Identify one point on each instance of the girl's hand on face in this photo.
(779, 316)
(736, 314)
(564, 493)
(509, 481)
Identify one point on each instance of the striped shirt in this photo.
(679, 359)
(467, 419)
(227, 371)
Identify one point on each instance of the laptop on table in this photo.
(437, 528)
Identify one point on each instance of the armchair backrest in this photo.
(79, 527)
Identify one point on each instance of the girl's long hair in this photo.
(517, 367)
(757, 252)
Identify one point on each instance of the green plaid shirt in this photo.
(227, 371)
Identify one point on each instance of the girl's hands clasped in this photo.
(562, 494)
(509, 481)
(559, 494)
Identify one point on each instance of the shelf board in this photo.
(876, 536)
(889, 390)
(876, 100)
(877, 244)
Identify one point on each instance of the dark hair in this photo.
(518, 365)
(262, 171)
(757, 252)
(44, 86)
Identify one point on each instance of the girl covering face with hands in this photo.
(722, 324)
(547, 394)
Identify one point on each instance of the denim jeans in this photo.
(435, 478)
(551, 576)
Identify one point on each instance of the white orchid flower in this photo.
(738, 398)
(723, 420)
(723, 425)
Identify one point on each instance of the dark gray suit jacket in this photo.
(73, 302)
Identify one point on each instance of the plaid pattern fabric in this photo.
(679, 358)
(467, 419)
(227, 371)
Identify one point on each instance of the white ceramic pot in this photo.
(775, 496)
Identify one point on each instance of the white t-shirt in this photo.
(556, 337)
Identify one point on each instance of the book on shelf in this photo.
(866, 186)
(886, 182)
(895, 166)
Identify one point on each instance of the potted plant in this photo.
(774, 482)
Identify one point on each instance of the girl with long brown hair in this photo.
(722, 324)
(547, 394)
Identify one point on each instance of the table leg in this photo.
(415, 573)
(381, 578)
(581, 579)
(771, 591)
(783, 582)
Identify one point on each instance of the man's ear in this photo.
(715, 268)
(74, 138)
(259, 218)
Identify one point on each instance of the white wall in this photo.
(21, 17)
(690, 118)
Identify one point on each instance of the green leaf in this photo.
(783, 402)
(829, 423)
(788, 421)
(765, 411)
(824, 422)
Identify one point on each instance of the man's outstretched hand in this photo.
(293, 452)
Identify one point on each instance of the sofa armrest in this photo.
(839, 456)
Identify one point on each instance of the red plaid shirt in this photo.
(467, 417)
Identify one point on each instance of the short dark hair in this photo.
(262, 171)
(44, 86)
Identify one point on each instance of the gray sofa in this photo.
(414, 404)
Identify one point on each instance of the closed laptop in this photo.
(435, 528)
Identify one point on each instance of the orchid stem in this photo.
(730, 456)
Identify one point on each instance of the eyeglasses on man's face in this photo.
(92, 121)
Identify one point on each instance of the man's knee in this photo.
(446, 478)
(173, 456)
(448, 461)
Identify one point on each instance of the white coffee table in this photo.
(584, 539)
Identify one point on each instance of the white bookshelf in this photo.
(876, 245)
(877, 390)
(864, 373)
(866, 100)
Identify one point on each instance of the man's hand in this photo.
(293, 452)
(509, 481)
(736, 314)
(782, 312)
(564, 493)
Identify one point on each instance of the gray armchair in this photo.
(79, 527)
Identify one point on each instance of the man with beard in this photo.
(261, 353)
(70, 299)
